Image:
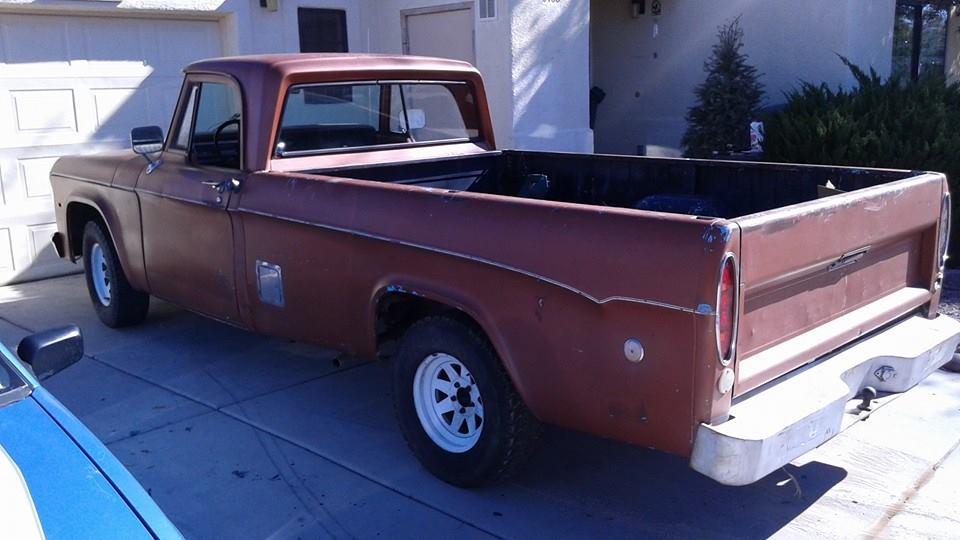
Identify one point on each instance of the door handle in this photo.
(230, 184)
(848, 258)
(214, 185)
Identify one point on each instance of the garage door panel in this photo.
(117, 109)
(162, 96)
(6, 251)
(195, 40)
(22, 46)
(45, 111)
(41, 250)
(102, 37)
(77, 90)
(35, 176)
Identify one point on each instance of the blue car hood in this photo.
(71, 495)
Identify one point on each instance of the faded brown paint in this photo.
(788, 292)
(557, 287)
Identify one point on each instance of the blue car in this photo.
(57, 480)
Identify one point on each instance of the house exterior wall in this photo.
(649, 66)
(534, 56)
(550, 72)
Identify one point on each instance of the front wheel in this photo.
(116, 302)
(457, 408)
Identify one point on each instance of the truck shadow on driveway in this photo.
(661, 496)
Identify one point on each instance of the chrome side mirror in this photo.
(147, 140)
(51, 351)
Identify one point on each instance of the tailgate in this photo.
(819, 274)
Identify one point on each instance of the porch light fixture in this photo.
(637, 8)
(270, 5)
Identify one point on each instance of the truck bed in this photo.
(724, 189)
(831, 251)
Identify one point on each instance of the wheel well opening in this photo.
(396, 311)
(78, 214)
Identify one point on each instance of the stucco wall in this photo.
(650, 66)
(550, 71)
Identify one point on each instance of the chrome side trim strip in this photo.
(107, 183)
(482, 260)
(185, 200)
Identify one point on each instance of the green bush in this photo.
(727, 100)
(881, 123)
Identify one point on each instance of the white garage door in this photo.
(72, 85)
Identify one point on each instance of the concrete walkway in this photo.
(240, 436)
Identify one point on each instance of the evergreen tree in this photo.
(727, 101)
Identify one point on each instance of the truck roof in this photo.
(320, 64)
(265, 79)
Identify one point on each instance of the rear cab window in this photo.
(323, 118)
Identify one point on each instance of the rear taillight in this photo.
(943, 239)
(727, 308)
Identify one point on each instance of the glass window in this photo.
(324, 117)
(919, 40)
(186, 121)
(322, 30)
(449, 110)
(216, 129)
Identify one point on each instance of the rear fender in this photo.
(454, 299)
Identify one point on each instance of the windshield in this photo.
(12, 386)
(333, 117)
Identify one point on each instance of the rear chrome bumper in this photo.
(781, 421)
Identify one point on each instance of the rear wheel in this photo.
(457, 408)
(954, 363)
(116, 302)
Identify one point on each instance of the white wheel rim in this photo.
(448, 403)
(100, 274)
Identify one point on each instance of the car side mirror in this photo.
(147, 140)
(51, 351)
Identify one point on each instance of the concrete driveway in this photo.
(240, 436)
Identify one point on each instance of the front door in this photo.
(187, 232)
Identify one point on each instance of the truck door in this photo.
(187, 232)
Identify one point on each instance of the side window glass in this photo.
(216, 129)
(186, 121)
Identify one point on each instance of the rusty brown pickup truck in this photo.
(726, 312)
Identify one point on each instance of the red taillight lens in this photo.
(727, 308)
(944, 238)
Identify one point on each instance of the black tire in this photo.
(954, 364)
(124, 306)
(509, 433)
